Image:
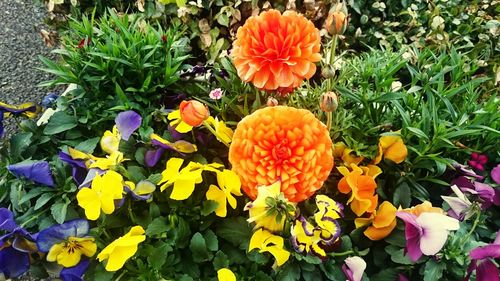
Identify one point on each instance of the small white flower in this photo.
(216, 94)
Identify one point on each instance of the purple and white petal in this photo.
(355, 267)
(127, 123)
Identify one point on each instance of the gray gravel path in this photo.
(20, 45)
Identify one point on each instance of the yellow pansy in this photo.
(185, 179)
(229, 184)
(222, 132)
(176, 122)
(110, 141)
(349, 157)
(265, 241)
(109, 162)
(79, 155)
(69, 252)
(225, 274)
(179, 146)
(101, 195)
(391, 147)
(270, 209)
(123, 248)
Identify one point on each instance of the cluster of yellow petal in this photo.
(265, 241)
(382, 221)
(123, 248)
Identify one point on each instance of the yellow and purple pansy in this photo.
(29, 110)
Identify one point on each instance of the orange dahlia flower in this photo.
(275, 51)
(282, 143)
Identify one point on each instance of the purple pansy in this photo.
(427, 233)
(38, 171)
(353, 268)
(60, 232)
(153, 156)
(459, 205)
(495, 174)
(127, 123)
(15, 246)
(143, 190)
(76, 272)
(49, 99)
(79, 169)
(482, 262)
(469, 182)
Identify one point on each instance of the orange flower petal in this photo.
(375, 234)
(274, 50)
(386, 214)
(282, 143)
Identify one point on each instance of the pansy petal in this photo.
(225, 274)
(183, 188)
(7, 222)
(13, 263)
(38, 172)
(57, 233)
(127, 123)
(75, 273)
(487, 271)
(215, 194)
(357, 267)
(89, 200)
(153, 156)
(119, 257)
(488, 251)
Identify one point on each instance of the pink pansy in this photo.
(427, 233)
(354, 268)
(216, 94)
(495, 174)
(481, 257)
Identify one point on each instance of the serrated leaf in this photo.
(209, 206)
(159, 256)
(433, 270)
(89, 145)
(235, 230)
(18, 143)
(211, 240)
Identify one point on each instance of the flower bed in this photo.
(252, 166)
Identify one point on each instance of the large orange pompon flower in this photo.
(282, 143)
(275, 51)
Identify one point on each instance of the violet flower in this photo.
(127, 123)
(482, 263)
(478, 161)
(76, 272)
(495, 174)
(143, 190)
(28, 109)
(49, 99)
(427, 233)
(38, 171)
(459, 206)
(354, 268)
(78, 167)
(15, 246)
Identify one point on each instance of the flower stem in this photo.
(332, 50)
(343, 253)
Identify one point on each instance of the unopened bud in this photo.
(329, 102)
(336, 23)
(272, 101)
(327, 72)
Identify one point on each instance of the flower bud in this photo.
(193, 112)
(329, 102)
(272, 101)
(336, 22)
(327, 72)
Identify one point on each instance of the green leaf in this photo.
(402, 195)
(389, 274)
(289, 272)
(198, 248)
(159, 255)
(220, 260)
(311, 275)
(157, 226)
(18, 143)
(397, 255)
(209, 206)
(58, 211)
(42, 200)
(60, 122)
(89, 145)
(235, 230)
(136, 173)
(211, 240)
(419, 133)
(433, 270)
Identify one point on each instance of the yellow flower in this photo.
(110, 141)
(185, 179)
(123, 248)
(109, 162)
(382, 221)
(229, 184)
(265, 241)
(225, 274)
(391, 147)
(101, 195)
(349, 157)
(269, 210)
(222, 132)
(69, 252)
(179, 146)
(176, 122)
(79, 155)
